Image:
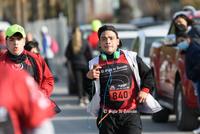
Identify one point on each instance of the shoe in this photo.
(196, 131)
(87, 101)
(81, 103)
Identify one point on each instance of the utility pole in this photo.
(18, 11)
(24, 12)
(125, 11)
(1, 9)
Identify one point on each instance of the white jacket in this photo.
(149, 106)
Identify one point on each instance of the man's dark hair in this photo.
(182, 34)
(31, 44)
(17, 34)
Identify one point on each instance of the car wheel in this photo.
(155, 93)
(185, 120)
(161, 116)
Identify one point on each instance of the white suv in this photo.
(146, 36)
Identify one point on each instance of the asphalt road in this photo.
(73, 118)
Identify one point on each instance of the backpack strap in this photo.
(33, 63)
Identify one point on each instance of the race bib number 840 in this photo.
(120, 92)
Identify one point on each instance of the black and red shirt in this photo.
(118, 89)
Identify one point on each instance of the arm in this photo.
(194, 34)
(194, 73)
(146, 76)
(47, 80)
(90, 76)
(35, 110)
(68, 50)
(147, 83)
(89, 51)
(87, 86)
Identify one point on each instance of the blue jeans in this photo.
(196, 86)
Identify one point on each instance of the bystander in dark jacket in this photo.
(186, 25)
(79, 52)
(192, 62)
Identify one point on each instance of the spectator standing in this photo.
(23, 107)
(122, 82)
(32, 46)
(47, 51)
(79, 52)
(3, 33)
(2, 42)
(192, 63)
(29, 37)
(93, 37)
(19, 59)
(184, 24)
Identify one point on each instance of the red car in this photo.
(173, 90)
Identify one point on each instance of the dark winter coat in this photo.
(194, 34)
(192, 60)
(79, 60)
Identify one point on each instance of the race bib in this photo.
(120, 92)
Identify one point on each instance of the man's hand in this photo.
(142, 96)
(94, 73)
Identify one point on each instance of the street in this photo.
(73, 118)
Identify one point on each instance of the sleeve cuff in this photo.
(145, 89)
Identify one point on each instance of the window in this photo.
(136, 46)
(196, 20)
(172, 27)
(126, 43)
(148, 43)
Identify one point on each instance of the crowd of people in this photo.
(116, 85)
(188, 40)
(22, 55)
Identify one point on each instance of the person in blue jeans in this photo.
(192, 62)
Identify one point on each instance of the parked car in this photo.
(172, 88)
(127, 38)
(145, 37)
(4, 25)
(146, 21)
(87, 29)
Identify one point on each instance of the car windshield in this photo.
(196, 20)
(86, 34)
(126, 43)
(148, 42)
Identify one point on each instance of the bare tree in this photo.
(18, 11)
(48, 9)
(59, 7)
(34, 14)
(194, 3)
(125, 11)
(24, 12)
(75, 22)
